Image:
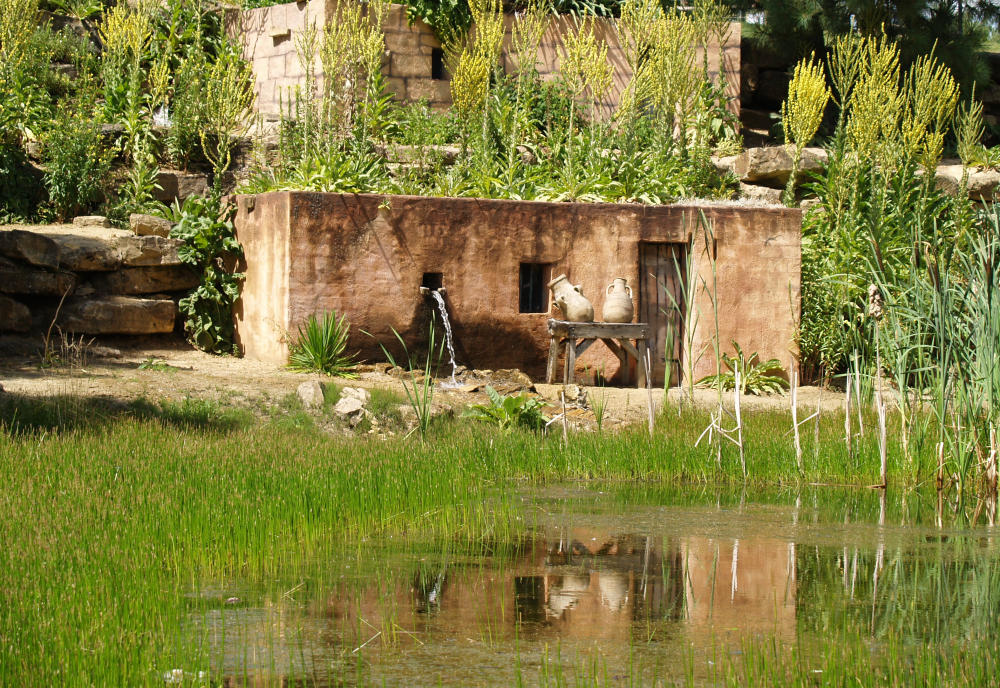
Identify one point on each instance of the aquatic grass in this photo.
(133, 519)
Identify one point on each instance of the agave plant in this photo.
(320, 346)
(755, 378)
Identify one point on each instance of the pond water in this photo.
(625, 585)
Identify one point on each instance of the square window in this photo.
(533, 290)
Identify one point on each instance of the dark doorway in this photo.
(662, 277)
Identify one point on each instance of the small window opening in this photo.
(432, 280)
(437, 64)
(534, 287)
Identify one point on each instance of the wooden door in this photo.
(662, 277)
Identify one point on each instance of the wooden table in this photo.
(579, 336)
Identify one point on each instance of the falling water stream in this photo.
(452, 383)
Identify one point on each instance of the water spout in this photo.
(436, 293)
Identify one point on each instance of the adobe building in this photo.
(367, 256)
(414, 64)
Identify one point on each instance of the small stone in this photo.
(359, 393)
(310, 394)
(29, 247)
(149, 225)
(348, 406)
(91, 221)
(469, 389)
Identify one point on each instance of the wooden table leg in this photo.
(642, 348)
(570, 374)
(550, 368)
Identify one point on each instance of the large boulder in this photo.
(149, 225)
(146, 280)
(772, 165)
(29, 247)
(98, 221)
(179, 185)
(981, 185)
(14, 316)
(763, 194)
(140, 251)
(118, 315)
(16, 278)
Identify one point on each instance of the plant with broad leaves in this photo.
(755, 378)
(510, 411)
(210, 247)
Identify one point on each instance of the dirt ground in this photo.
(130, 369)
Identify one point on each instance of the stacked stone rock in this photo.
(98, 280)
(764, 172)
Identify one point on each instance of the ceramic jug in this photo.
(618, 302)
(570, 300)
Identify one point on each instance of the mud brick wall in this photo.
(268, 36)
(366, 256)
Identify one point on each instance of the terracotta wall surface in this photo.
(365, 256)
(268, 35)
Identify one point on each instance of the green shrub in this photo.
(320, 346)
(210, 247)
(511, 411)
(755, 378)
(76, 164)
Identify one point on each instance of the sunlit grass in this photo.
(115, 516)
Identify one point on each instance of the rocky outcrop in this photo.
(104, 278)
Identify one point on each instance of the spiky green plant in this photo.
(320, 346)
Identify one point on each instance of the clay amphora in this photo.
(618, 302)
(571, 301)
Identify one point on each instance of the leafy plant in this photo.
(509, 411)
(420, 387)
(76, 164)
(755, 378)
(320, 346)
(210, 247)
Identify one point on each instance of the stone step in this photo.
(118, 315)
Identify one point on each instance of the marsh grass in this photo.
(122, 512)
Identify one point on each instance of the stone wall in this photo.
(365, 256)
(99, 280)
(269, 34)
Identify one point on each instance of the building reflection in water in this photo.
(592, 584)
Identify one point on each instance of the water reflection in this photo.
(667, 597)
